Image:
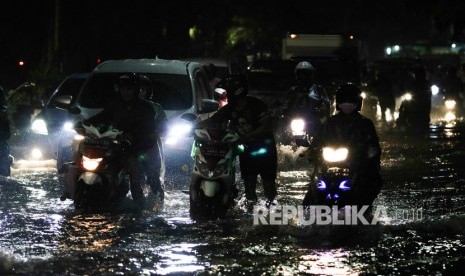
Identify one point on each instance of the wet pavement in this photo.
(421, 233)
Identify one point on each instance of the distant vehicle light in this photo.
(293, 36)
(407, 97)
(450, 116)
(39, 126)
(450, 104)
(434, 89)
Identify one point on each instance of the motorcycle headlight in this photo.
(450, 104)
(335, 155)
(407, 97)
(36, 154)
(39, 126)
(297, 126)
(178, 131)
(90, 164)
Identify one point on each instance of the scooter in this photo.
(211, 191)
(335, 183)
(96, 179)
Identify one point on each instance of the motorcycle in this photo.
(335, 183)
(96, 178)
(211, 190)
(304, 125)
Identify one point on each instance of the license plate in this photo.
(97, 143)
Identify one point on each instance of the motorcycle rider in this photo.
(152, 164)
(136, 118)
(349, 127)
(383, 89)
(5, 159)
(308, 100)
(249, 117)
(308, 95)
(415, 117)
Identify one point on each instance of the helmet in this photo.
(304, 73)
(146, 86)
(129, 80)
(349, 93)
(304, 65)
(235, 85)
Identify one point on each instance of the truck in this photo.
(336, 57)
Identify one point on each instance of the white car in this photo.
(181, 87)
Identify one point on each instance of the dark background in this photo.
(55, 37)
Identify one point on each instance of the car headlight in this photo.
(335, 155)
(90, 164)
(297, 126)
(450, 104)
(68, 126)
(178, 131)
(39, 126)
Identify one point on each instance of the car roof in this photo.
(79, 75)
(219, 62)
(146, 66)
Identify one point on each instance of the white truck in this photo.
(336, 57)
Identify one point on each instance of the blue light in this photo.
(321, 185)
(336, 196)
(261, 151)
(344, 185)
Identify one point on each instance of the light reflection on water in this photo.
(37, 231)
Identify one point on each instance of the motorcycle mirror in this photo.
(189, 117)
(209, 105)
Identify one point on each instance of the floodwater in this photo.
(421, 231)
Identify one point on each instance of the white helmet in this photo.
(304, 65)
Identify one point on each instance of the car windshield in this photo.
(172, 91)
(69, 87)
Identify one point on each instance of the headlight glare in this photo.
(39, 126)
(335, 155)
(90, 164)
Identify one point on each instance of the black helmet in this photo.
(349, 93)
(235, 85)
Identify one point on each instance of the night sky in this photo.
(88, 30)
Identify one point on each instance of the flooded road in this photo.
(39, 234)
